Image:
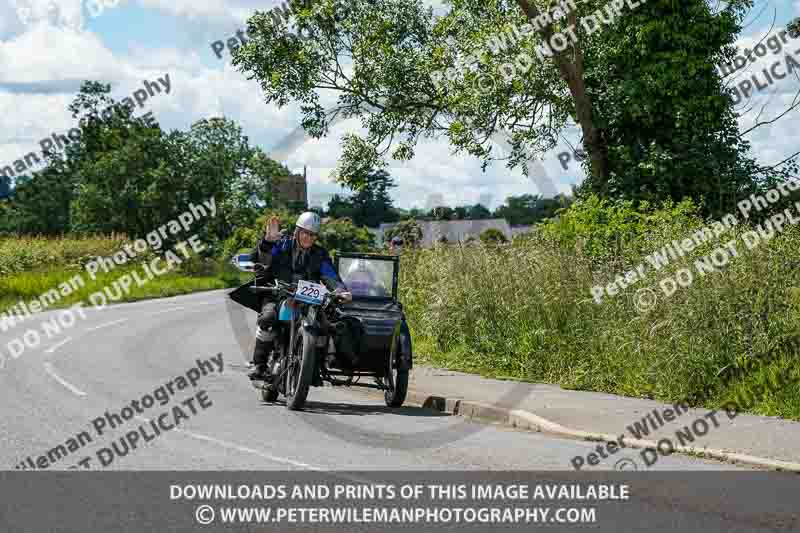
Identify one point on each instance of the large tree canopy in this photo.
(125, 175)
(655, 117)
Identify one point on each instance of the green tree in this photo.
(529, 209)
(492, 236)
(668, 123)
(341, 207)
(519, 210)
(296, 206)
(128, 175)
(343, 236)
(409, 230)
(41, 203)
(370, 205)
(478, 212)
(655, 66)
(5, 187)
(442, 212)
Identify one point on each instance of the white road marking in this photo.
(169, 310)
(244, 449)
(107, 324)
(49, 368)
(208, 303)
(57, 346)
(274, 458)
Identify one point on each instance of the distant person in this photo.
(396, 245)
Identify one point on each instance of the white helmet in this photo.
(309, 221)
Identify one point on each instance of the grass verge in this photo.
(526, 311)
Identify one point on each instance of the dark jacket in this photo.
(286, 262)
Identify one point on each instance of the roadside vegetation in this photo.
(31, 266)
(665, 153)
(525, 311)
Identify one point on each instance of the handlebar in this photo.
(289, 290)
(279, 287)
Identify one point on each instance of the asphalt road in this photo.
(57, 392)
(119, 354)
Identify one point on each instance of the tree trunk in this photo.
(572, 72)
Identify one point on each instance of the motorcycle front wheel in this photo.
(301, 370)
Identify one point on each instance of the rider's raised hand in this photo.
(272, 229)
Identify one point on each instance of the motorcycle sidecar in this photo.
(375, 317)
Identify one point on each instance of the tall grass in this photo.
(526, 311)
(31, 266)
(26, 253)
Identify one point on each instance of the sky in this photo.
(48, 47)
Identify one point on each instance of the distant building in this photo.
(453, 230)
(290, 190)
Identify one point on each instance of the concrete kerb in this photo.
(526, 420)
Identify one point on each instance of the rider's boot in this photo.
(264, 345)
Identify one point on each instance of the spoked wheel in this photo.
(301, 371)
(396, 379)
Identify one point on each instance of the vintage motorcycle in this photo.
(311, 319)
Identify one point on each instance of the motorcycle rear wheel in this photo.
(301, 373)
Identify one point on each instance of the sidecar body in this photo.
(376, 315)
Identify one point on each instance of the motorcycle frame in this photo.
(320, 367)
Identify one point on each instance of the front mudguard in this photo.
(246, 298)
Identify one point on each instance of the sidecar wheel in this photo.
(396, 397)
(396, 379)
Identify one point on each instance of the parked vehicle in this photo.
(243, 262)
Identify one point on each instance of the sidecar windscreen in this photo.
(369, 276)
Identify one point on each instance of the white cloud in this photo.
(210, 9)
(46, 52)
(19, 15)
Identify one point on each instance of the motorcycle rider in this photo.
(289, 259)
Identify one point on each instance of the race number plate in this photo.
(309, 292)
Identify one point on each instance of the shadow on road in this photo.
(329, 408)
